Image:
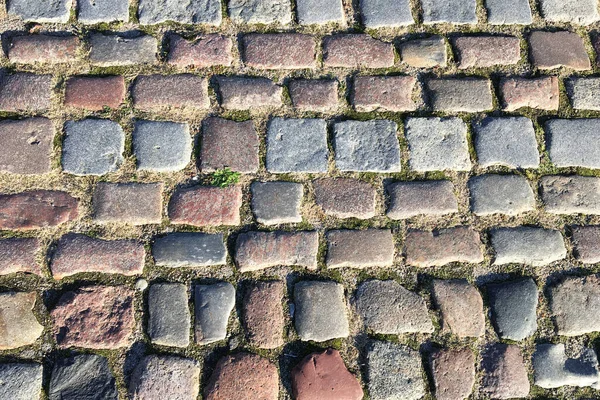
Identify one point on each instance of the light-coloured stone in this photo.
(575, 305)
(385, 13)
(583, 92)
(508, 12)
(18, 324)
(21, 381)
(186, 12)
(213, 304)
(571, 194)
(162, 146)
(552, 367)
(319, 11)
(260, 11)
(527, 245)
(581, 12)
(165, 377)
(500, 194)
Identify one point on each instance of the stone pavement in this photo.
(308, 199)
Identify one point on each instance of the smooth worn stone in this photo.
(201, 52)
(95, 11)
(229, 144)
(20, 326)
(26, 146)
(169, 318)
(165, 377)
(52, 11)
(186, 12)
(297, 145)
(20, 381)
(505, 372)
(22, 91)
(453, 373)
(552, 367)
(189, 249)
(527, 245)
(500, 194)
(259, 250)
(161, 146)
(323, 376)
(513, 306)
(243, 376)
(461, 307)
(581, 12)
(357, 51)
(92, 147)
(383, 93)
(424, 53)
(276, 202)
(314, 94)
(319, 11)
(36, 209)
(260, 11)
(575, 305)
(263, 314)
(130, 203)
(239, 93)
(178, 93)
(77, 253)
(537, 93)
(384, 13)
(41, 48)
(444, 246)
(95, 317)
(206, 206)
(550, 50)
(582, 92)
(388, 308)
(449, 11)
(320, 311)
(82, 376)
(366, 146)
(508, 12)
(571, 194)
(437, 144)
(345, 197)
(460, 94)
(360, 248)
(279, 51)
(130, 48)
(585, 240)
(19, 255)
(394, 372)
(487, 51)
(95, 93)
(506, 141)
(574, 142)
(213, 304)
(409, 199)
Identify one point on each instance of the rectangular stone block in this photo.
(487, 51)
(128, 203)
(260, 11)
(360, 248)
(527, 245)
(549, 50)
(424, 53)
(213, 305)
(279, 51)
(189, 249)
(21, 91)
(385, 13)
(383, 93)
(94, 93)
(586, 243)
(229, 144)
(574, 142)
(571, 194)
(409, 199)
(189, 12)
(538, 93)
(97, 11)
(19, 255)
(201, 52)
(49, 49)
(357, 50)
(583, 92)
(26, 145)
(52, 11)
(580, 12)
(170, 93)
(460, 94)
(239, 93)
(36, 209)
(319, 11)
(169, 317)
(127, 48)
(441, 247)
(314, 95)
(500, 194)
(206, 206)
(449, 11)
(345, 197)
(508, 12)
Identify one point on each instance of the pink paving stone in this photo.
(461, 307)
(550, 50)
(586, 243)
(165, 377)
(279, 51)
(229, 144)
(184, 92)
(19, 255)
(345, 197)
(23, 91)
(357, 50)
(263, 314)
(95, 317)
(240, 93)
(36, 209)
(19, 325)
(94, 93)
(539, 93)
(437, 248)
(453, 373)
(384, 93)
(201, 52)
(130, 203)
(43, 49)
(26, 145)
(206, 206)
(314, 95)
(360, 248)
(505, 373)
(487, 51)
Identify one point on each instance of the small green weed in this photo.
(224, 177)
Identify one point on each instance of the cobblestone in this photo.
(357, 51)
(571, 194)
(360, 248)
(229, 144)
(19, 255)
(239, 93)
(424, 53)
(345, 197)
(549, 50)
(585, 240)
(94, 12)
(279, 51)
(453, 373)
(487, 51)
(82, 376)
(460, 94)
(582, 92)
(575, 305)
(53, 11)
(21, 91)
(95, 93)
(513, 306)
(156, 93)
(36, 209)
(319, 11)
(128, 48)
(320, 311)
(130, 203)
(537, 93)
(383, 93)
(316, 95)
(20, 326)
(436, 248)
(260, 11)
(276, 202)
(450, 11)
(500, 194)
(202, 51)
(409, 199)
(168, 315)
(206, 206)
(573, 142)
(461, 307)
(189, 249)
(189, 12)
(21, 381)
(553, 368)
(263, 314)
(26, 146)
(213, 305)
(505, 373)
(527, 245)
(29, 49)
(165, 377)
(383, 13)
(161, 146)
(508, 12)
(582, 12)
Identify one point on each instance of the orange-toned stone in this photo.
(206, 206)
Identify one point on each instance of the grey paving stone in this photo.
(460, 94)
(241, 93)
(575, 305)
(277, 202)
(96, 11)
(165, 377)
(129, 48)
(500, 194)
(424, 53)
(20, 381)
(388, 308)
(92, 147)
(582, 12)
(409, 199)
(574, 142)
(319, 11)
(586, 243)
(189, 249)
(508, 12)
(320, 311)
(213, 304)
(384, 13)
(297, 145)
(583, 92)
(571, 194)
(394, 372)
(527, 245)
(40, 11)
(185, 12)
(169, 317)
(161, 146)
(84, 376)
(513, 306)
(451, 11)
(508, 141)
(366, 146)
(437, 144)
(260, 11)
(552, 367)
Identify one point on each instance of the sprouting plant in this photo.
(224, 177)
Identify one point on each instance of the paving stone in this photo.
(161, 146)
(77, 253)
(130, 203)
(95, 317)
(366, 146)
(189, 249)
(263, 314)
(582, 92)
(213, 304)
(36, 11)
(129, 48)
(437, 144)
(26, 145)
(20, 326)
(553, 368)
(508, 12)
(259, 250)
(277, 202)
(320, 311)
(585, 240)
(388, 308)
(383, 13)
(201, 52)
(575, 305)
(538, 93)
(94, 11)
(444, 246)
(394, 372)
(94, 93)
(453, 373)
(345, 197)
(23, 91)
(507, 141)
(461, 307)
(92, 147)
(460, 94)
(260, 11)
(319, 11)
(206, 206)
(297, 145)
(260, 379)
(500, 194)
(172, 93)
(169, 318)
(229, 144)
(316, 95)
(409, 199)
(82, 376)
(581, 12)
(21, 381)
(19, 255)
(165, 377)
(573, 142)
(189, 12)
(49, 49)
(527, 245)
(357, 51)
(505, 373)
(239, 93)
(450, 11)
(513, 306)
(360, 248)
(550, 50)
(487, 51)
(279, 51)
(571, 194)
(323, 376)
(424, 53)
(383, 93)
(36, 209)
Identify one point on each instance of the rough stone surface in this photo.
(460, 94)
(513, 306)
(582, 92)
(575, 305)
(170, 93)
(43, 49)
(319, 11)
(19, 326)
(19, 255)
(129, 48)
(409, 199)
(345, 197)
(83, 376)
(161, 146)
(581, 12)
(461, 307)
(277, 202)
(571, 194)
(553, 368)
(22, 91)
(203, 51)
(239, 93)
(189, 249)
(206, 206)
(20, 381)
(549, 50)
(260, 11)
(505, 373)
(95, 93)
(186, 12)
(424, 53)
(381, 13)
(453, 373)
(312, 94)
(508, 12)
(279, 51)
(585, 240)
(539, 93)
(40, 11)
(360, 248)
(527, 245)
(383, 93)
(165, 377)
(229, 144)
(263, 314)
(357, 50)
(213, 304)
(500, 194)
(130, 203)
(487, 51)
(36, 209)
(169, 315)
(26, 146)
(451, 11)
(96, 11)
(437, 248)
(573, 142)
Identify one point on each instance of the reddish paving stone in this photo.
(19, 325)
(461, 307)
(263, 314)
(95, 317)
(384, 93)
(505, 373)
(260, 250)
(243, 376)
(23, 91)
(36, 209)
(550, 50)
(165, 377)
(360, 248)
(453, 373)
(18, 255)
(314, 95)
(201, 52)
(487, 51)
(539, 93)
(586, 243)
(279, 51)
(357, 50)
(43, 49)
(206, 206)
(409, 199)
(238, 93)
(170, 93)
(437, 248)
(229, 144)
(94, 93)
(26, 145)
(323, 376)
(130, 203)
(80, 253)
(345, 197)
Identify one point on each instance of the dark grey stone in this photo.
(162, 146)
(451, 11)
(193, 249)
(276, 202)
(319, 11)
(582, 12)
(508, 12)
(513, 306)
(84, 376)
(20, 381)
(552, 367)
(383, 13)
(508, 141)
(129, 48)
(169, 317)
(527, 245)
(500, 194)
(213, 304)
(95, 11)
(574, 142)
(260, 11)
(185, 12)
(40, 11)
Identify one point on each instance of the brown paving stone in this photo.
(170, 93)
(201, 52)
(425, 53)
(263, 314)
(409, 199)
(345, 198)
(94, 93)
(586, 243)
(437, 248)
(19, 325)
(550, 50)
(360, 248)
(36, 209)
(505, 373)
(575, 305)
(23, 91)
(229, 144)
(239, 93)
(538, 93)
(384, 93)
(314, 94)
(487, 51)
(165, 377)
(461, 307)
(43, 49)
(206, 206)
(279, 51)
(453, 373)
(357, 50)
(130, 203)
(19, 255)
(26, 145)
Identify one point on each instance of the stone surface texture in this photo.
(409, 199)
(165, 377)
(168, 315)
(21, 381)
(20, 327)
(83, 376)
(513, 306)
(453, 373)
(527, 245)
(213, 304)
(461, 307)
(354, 248)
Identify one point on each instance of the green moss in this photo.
(224, 178)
